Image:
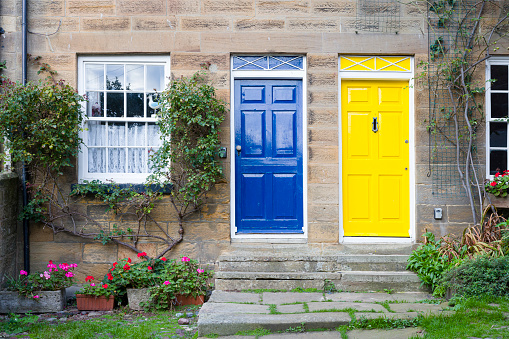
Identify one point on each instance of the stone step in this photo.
(309, 263)
(346, 280)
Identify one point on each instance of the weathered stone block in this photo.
(46, 8)
(330, 25)
(217, 212)
(134, 7)
(99, 253)
(41, 253)
(98, 271)
(227, 7)
(136, 296)
(282, 7)
(325, 117)
(105, 24)
(323, 136)
(90, 7)
(371, 43)
(48, 301)
(259, 25)
(9, 23)
(323, 154)
(322, 174)
(323, 194)
(323, 61)
(194, 61)
(183, 7)
(206, 231)
(154, 24)
(187, 42)
(323, 232)
(459, 213)
(334, 7)
(39, 233)
(204, 24)
(322, 98)
(42, 25)
(323, 213)
(329, 79)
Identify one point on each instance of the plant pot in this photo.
(93, 303)
(48, 301)
(498, 202)
(189, 300)
(135, 296)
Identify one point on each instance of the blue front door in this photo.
(268, 156)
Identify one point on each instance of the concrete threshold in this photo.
(228, 313)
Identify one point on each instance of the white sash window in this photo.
(121, 128)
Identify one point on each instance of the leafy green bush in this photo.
(479, 276)
(429, 263)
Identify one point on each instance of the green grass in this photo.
(157, 325)
(261, 290)
(259, 332)
(273, 309)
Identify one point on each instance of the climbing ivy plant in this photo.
(464, 36)
(41, 122)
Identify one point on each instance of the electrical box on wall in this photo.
(438, 213)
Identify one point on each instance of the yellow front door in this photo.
(375, 137)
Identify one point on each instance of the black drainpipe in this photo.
(26, 243)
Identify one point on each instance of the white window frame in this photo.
(494, 61)
(83, 174)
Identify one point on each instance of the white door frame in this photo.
(380, 75)
(274, 75)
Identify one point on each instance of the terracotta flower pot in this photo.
(93, 303)
(189, 300)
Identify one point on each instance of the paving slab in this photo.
(227, 325)
(411, 296)
(320, 306)
(290, 297)
(364, 297)
(221, 308)
(234, 297)
(404, 315)
(403, 333)
(290, 308)
(307, 335)
(415, 307)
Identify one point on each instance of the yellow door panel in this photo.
(376, 190)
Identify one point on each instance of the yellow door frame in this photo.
(378, 68)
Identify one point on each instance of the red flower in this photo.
(110, 277)
(126, 267)
(105, 285)
(129, 260)
(88, 278)
(493, 184)
(163, 259)
(497, 174)
(149, 268)
(115, 264)
(142, 254)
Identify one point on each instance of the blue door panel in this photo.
(268, 180)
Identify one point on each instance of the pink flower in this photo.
(69, 274)
(23, 272)
(52, 265)
(199, 270)
(184, 259)
(64, 266)
(74, 265)
(36, 296)
(92, 284)
(166, 282)
(47, 275)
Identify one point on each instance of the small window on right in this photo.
(497, 114)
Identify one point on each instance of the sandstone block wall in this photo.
(197, 32)
(10, 233)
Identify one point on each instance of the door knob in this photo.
(238, 148)
(374, 125)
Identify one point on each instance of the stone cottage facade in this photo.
(326, 137)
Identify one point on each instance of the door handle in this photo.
(374, 125)
(238, 148)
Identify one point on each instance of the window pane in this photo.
(114, 77)
(499, 105)
(116, 134)
(151, 152)
(116, 160)
(153, 134)
(151, 113)
(498, 134)
(94, 76)
(115, 105)
(155, 78)
(136, 134)
(96, 160)
(134, 77)
(135, 105)
(96, 133)
(95, 104)
(499, 72)
(498, 161)
(137, 160)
